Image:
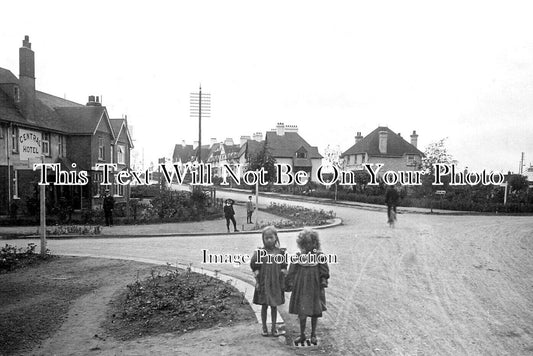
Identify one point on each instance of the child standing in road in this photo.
(306, 280)
(270, 277)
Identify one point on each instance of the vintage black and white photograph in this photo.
(266, 178)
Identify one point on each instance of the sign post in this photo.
(43, 219)
(257, 199)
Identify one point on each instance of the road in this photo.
(436, 284)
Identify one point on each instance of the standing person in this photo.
(249, 210)
(391, 199)
(269, 277)
(108, 205)
(307, 280)
(229, 214)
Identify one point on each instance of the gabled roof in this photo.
(285, 146)
(183, 153)
(396, 145)
(120, 126)
(205, 153)
(250, 148)
(82, 120)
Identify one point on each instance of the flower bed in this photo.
(296, 216)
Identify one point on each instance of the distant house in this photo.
(288, 147)
(383, 146)
(249, 147)
(39, 127)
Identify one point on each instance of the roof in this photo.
(8, 111)
(250, 148)
(183, 153)
(205, 153)
(6, 77)
(51, 112)
(82, 120)
(119, 126)
(285, 146)
(396, 145)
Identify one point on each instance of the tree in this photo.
(517, 182)
(263, 159)
(435, 152)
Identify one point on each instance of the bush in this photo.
(12, 257)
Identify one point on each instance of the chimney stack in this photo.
(414, 138)
(358, 137)
(183, 144)
(280, 129)
(258, 136)
(228, 141)
(383, 142)
(194, 145)
(213, 141)
(93, 101)
(27, 78)
(291, 128)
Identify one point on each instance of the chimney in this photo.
(358, 137)
(244, 139)
(212, 142)
(183, 144)
(383, 142)
(280, 129)
(414, 138)
(291, 128)
(93, 101)
(194, 145)
(228, 141)
(258, 136)
(27, 79)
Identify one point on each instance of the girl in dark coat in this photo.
(269, 274)
(306, 280)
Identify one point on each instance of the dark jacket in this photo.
(109, 203)
(392, 197)
(228, 211)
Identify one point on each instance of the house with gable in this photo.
(288, 147)
(383, 146)
(39, 127)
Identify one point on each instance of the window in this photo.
(121, 154)
(120, 190)
(61, 146)
(101, 151)
(410, 160)
(301, 155)
(14, 140)
(15, 184)
(359, 159)
(1, 131)
(46, 143)
(16, 94)
(112, 156)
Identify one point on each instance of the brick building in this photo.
(39, 127)
(383, 146)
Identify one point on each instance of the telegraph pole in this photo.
(200, 105)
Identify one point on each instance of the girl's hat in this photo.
(231, 201)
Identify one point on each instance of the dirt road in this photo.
(435, 285)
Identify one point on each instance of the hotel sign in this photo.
(30, 145)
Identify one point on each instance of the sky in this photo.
(457, 70)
